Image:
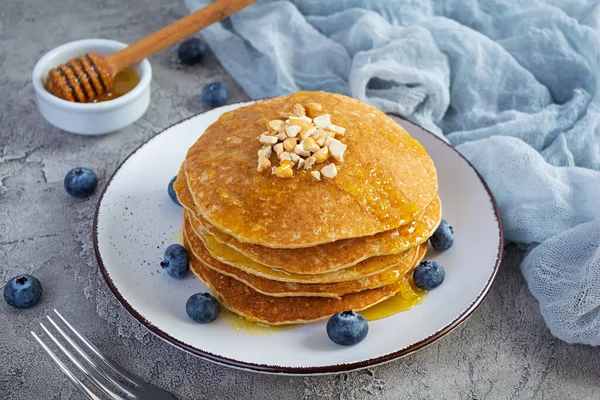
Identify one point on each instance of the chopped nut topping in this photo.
(293, 130)
(276, 125)
(267, 140)
(309, 162)
(322, 120)
(314, 106)
(321, 155)
(290, 143)
(265, 151)
(299, 140)
(310, 144)
(263, 164)
(337, 129)
(329, 171)
(278, 149)
(337, 149)
(285, 156)
(299, 110)
(301, 151)
(284, 170)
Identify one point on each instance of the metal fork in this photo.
(100, 372)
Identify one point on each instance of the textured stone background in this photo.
(504, 351)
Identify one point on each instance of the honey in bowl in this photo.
(124, 83)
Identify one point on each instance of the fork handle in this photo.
(173, 33)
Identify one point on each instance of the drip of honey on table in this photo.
(124, 83)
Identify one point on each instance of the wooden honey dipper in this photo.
(89, 76)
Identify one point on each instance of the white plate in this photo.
(136, 220)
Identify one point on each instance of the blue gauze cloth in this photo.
(513, 84)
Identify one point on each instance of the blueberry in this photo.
(175, 261)
(192, 51)
(80, 182)
(202, 307)
(429, 275)
(22, 291)
(443, 237)
(215, 94)
(172, 193)
(347, 328)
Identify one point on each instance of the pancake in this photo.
(326, 257)
(385, 181)
(229, 256)
(285, 289)
(257, 307)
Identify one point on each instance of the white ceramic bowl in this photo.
(90, 118)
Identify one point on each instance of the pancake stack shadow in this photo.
(287, 251)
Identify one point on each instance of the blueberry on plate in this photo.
(172, 193)
(22, 291)
(80, 182)
(192, 51)
(347, 328)
(202, 307)
(429, 275)
(443, 237)
(215, 94)
(175, 261)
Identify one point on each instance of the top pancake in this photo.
(385, 181)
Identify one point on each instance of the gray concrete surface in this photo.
(504, 351)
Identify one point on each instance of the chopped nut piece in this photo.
(307, 132)
(328, 134)
(337, 149)
(267, 140)
(321, 155)
(310, 144)
(281, 136)
(285, 114)
(285, 169)
(321, 142)
(309, 162)
(314, 106)
(265, 151)
(301, 151)
(285, 156)
(337, 129)
(290, 143)
(318, 134)
(299, 110)
(295, 158)
(323, 120)
(269, 133)
(263, 164)
(293, 130)
(329, 171)
(300, 121)
(300, 163)
(276, 125)
(278, 149)
(316, 175)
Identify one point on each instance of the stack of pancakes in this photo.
(283, 251)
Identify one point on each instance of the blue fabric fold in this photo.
(513, 84)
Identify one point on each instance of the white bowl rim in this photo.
(41, 68)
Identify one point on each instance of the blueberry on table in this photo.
(23, 291)
(429, 275)
(443, 237)
(347, 328)
(202, 308)
(80, 182)
(192, 51)
(175, 261)
(215, 94)
(172, 193)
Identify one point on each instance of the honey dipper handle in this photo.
(173, 33)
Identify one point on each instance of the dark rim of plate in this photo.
(278, 369)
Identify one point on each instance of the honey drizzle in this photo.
(242, 325)
(408, 297)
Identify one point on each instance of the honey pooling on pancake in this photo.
(297, 247)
